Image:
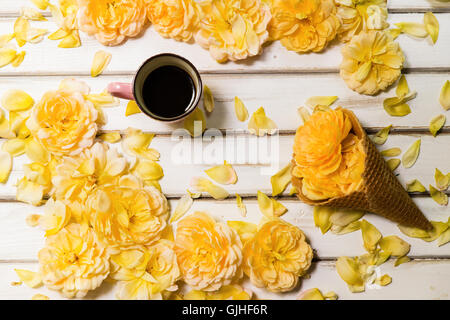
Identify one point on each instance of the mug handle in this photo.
(121, 90)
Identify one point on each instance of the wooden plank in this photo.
(45, 58)
(428, 283)
(181, 164)
(19, 242)
(279, 94)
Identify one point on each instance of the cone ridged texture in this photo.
(381, 192)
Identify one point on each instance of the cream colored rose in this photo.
(176, 19)
(277, 256)
(233, 29)
(73, 262)
(77, 177)
(112, 21)
(146, 273)
(64, 121)
(209, 253)
(128, 215)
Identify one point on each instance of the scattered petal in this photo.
(31, 14)
(223, 174)
(396, 106)
(371, 236)
(17, 100)
(278, 208)
(384, 280)
(265, 205)
(148, 170)
(438, 196)
(325, 101)
(395, 246)
(322, 216)
(436, 124)
(21, 27)
(136, 143)
(281, 179)
(59, 34)
(132, 108)
(413, 29)
(438, 228)
(30, 278)
(442, 180)
(36, 152)
(29, 192)
(444, 238)
(411, 155)
(7, 55)
(344, 217)
(111, 137)
(415, 186)
(431, 25)
(39, 296)
(402, 87)
(444, 97)
(393, 152)
(241, 205)
(4, 39)
(240, 110)
(381, 136)
(348, 270)
(393, 163)
(183, 206)
(208, 99)
(311, 294)
(70, 41)
(35, 35)
(260, 124)
(204, 185)
(104, 99)
(41, 4)
(18, 59)
(195, 123)
(15, 147)
(5, 166)
(413, 232)
(32, 220)
(245, 230)
(401, 260)
(101, 61)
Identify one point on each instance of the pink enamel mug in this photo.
(166, 87)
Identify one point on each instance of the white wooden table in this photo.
(280, 81)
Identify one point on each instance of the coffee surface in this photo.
(168, 91)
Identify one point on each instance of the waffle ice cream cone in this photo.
(380, 193)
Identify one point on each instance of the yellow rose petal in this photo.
(31, 14)
(195, 123)
(398, 110)
(281, 179)
(442, 180)
(183, 206)
(411, 155)
(5, 166)
(402, 87)
(413, 232)
(438, 228)
(32, 220)
(444, 97)
(265, 205)
(351, 227)
(204, 185)
(111, 137)
(395, 246)
(437, 123)
(322, 217)
(18, 59)
(401, 260)
(4, 39)
(371, 236)
(29, 192)
(21, 27)
(30, 278)
(245, 230)
(36, 152)
(343, 217)
(7, 55)
(241, 205)
(39, 296)
(413, 29)
(304, 114)
(311, 294)
(315, 101)
(260, 124)
(16, 100)
(381, 136)
(70, 41)
(104, 99)
(415, 186)
(223, 174)
(35, 35)
(393, 152)
(15, 147)
(132, 108)
(208, 99)
(278, 208)
(59, 34)
(438, 196)
(148, 170)
(136, 143)
(101, 61)
(393, 163)
(431, 25)
(348, 270)
(240, 110)
(444, 238)
(384, 280)
(41, 4)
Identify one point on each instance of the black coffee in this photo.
(168, 91)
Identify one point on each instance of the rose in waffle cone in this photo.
(379, 191)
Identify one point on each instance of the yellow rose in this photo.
(64, 121)
(209, 253)
(73, 262)
(112, 21)
(76, 177)
(146, 273)
(128, 214)
(371, 62)
(277, 256)
(177, 19)
(233, 29)
(304, 25)
(357, 16)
